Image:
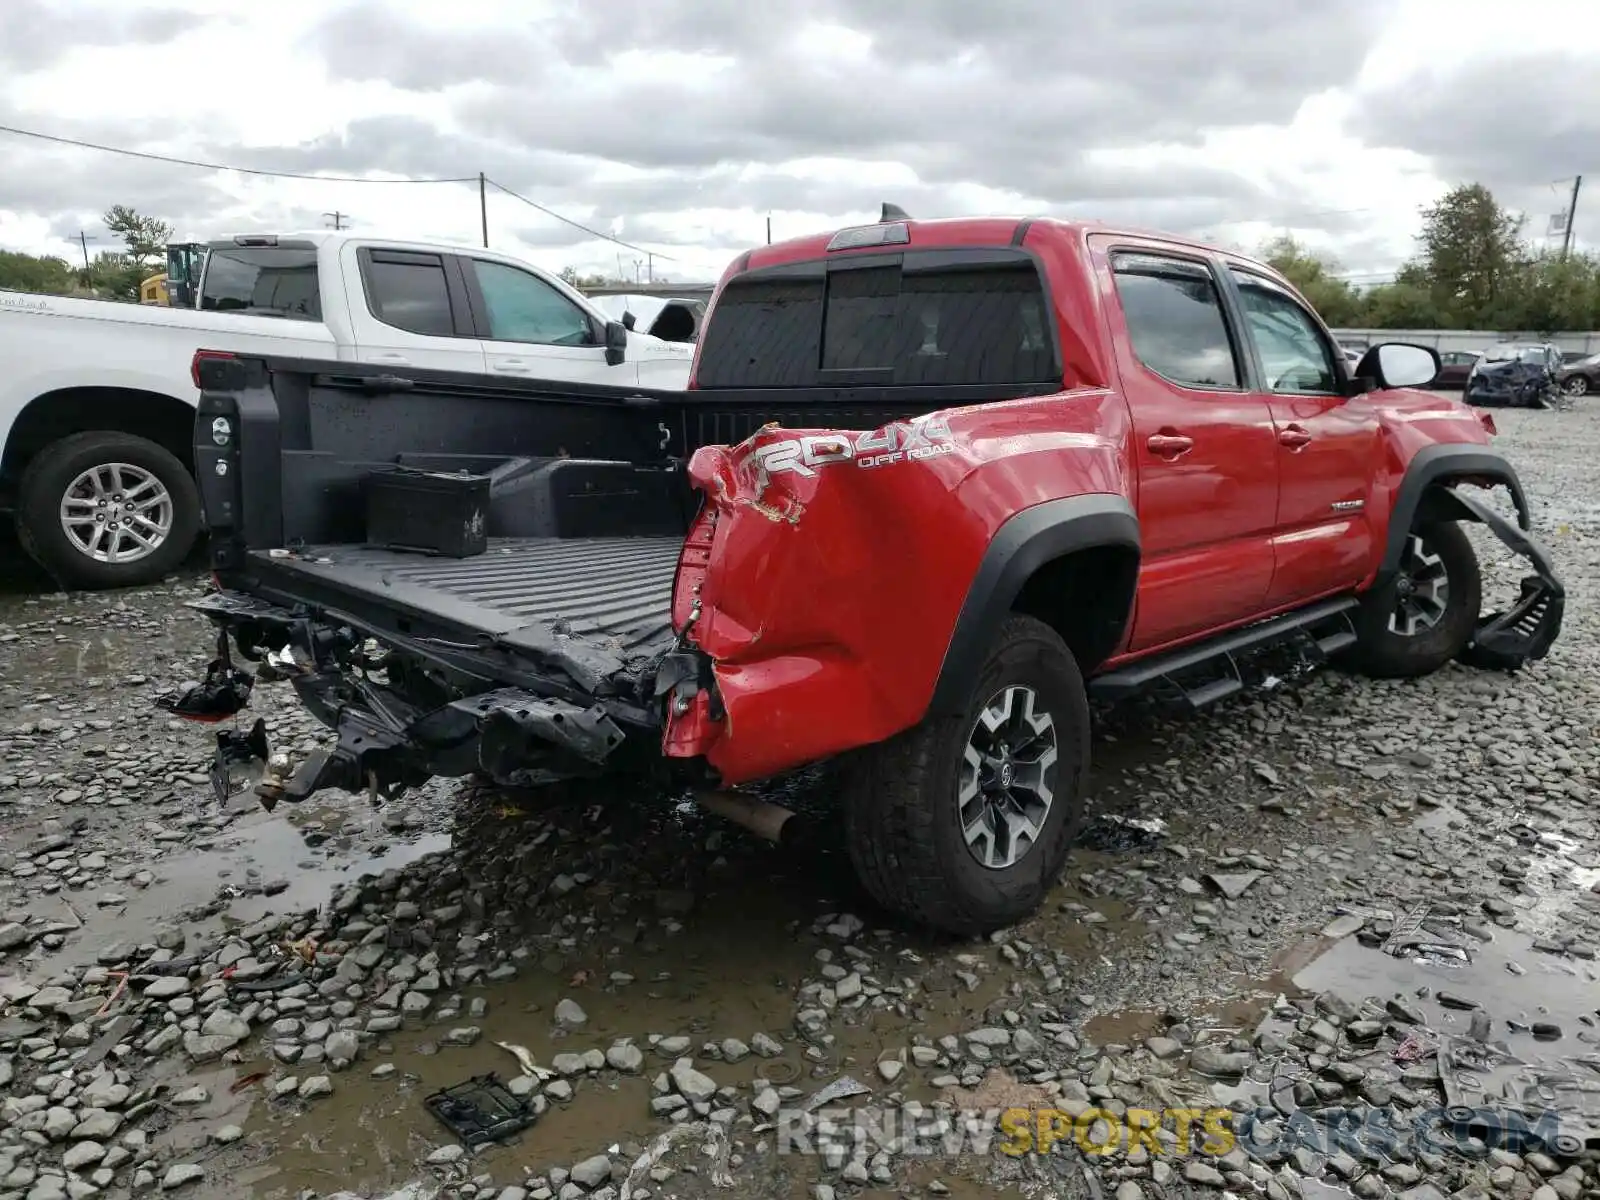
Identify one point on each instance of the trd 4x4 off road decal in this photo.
(900, 441)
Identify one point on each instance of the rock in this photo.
(733, 1050)
(105, 1092)
(1213, 1060)
(1203, 1173)
(570, 1015)
(341, 1049)
(1164, 1047)
(314, 1086)
(890, 1069)
(625, 1057)
(990, 1038)
(204, 1049)
(166, 988)
(692, 1084)
(180, 1174)
(84, 1154)
(1343, 926)
(1233, 885)
(59, 1123)
(224, 1024)
(445, 1155)
(592, 1172)
(228, 1134)
(96, 1124)
(766, 1046)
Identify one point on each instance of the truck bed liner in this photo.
(614, 592)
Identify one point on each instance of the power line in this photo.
(150, 156)
(579, 225)
(211, 166)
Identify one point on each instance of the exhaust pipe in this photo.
(772, 822)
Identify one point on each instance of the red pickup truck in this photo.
(935, 485)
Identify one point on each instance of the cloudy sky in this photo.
(680, 125)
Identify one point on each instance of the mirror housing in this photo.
(616, 343)
(1399, 365)
(628, 322)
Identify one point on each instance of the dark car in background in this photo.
(1580, 376)
(1454, 367)
(1514, 374)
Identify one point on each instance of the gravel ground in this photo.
(215, 1002)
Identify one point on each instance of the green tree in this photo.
(115, 276)
(1552, 293)
(145, 237)
(1316, 279)
(35, 273)
(1401, 305)
(1471, 255)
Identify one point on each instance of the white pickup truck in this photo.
(97, 398)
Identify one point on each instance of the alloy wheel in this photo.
(1008, 778)
(1422, 591)
(116, 513)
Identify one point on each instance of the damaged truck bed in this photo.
(933, 487)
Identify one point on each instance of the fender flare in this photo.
(1440, 464)
(1023, 544)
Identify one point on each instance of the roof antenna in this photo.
(893, 212)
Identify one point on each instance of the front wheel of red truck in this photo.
(963, 823)
(1425, 615)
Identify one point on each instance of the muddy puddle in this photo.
(258, 865)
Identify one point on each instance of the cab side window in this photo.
(1175, 320)
(524, 308)
(1294, 352)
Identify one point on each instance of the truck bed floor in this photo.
(615, 592)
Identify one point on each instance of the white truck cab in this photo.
(97, 397)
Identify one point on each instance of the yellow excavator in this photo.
(176, 285)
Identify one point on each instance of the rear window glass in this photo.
(410, 293)
(269, 281)
(1175, 321)
(975, 325)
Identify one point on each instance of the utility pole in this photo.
(83, 240)
(1572, 213)
(650, 266)
(339, 218)
(769, 229)
(483, 207)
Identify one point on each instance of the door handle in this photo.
(397, 359)
(1170, 445)
(511, 366)
(1295, 437)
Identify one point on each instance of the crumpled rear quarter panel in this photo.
(841, 560)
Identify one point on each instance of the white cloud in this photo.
(681, 127)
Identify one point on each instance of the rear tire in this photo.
(71, 485)
(1425, 615)
(1578, 385)
(912, 801)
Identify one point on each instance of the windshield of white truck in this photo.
(267, 281)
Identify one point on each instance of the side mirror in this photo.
(628, 322)
(616, 342)
(1399, 364)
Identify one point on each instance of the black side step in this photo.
(1222, 650)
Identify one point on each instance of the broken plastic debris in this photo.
(481, 1110)
(841, 1088)
(526, 1062)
